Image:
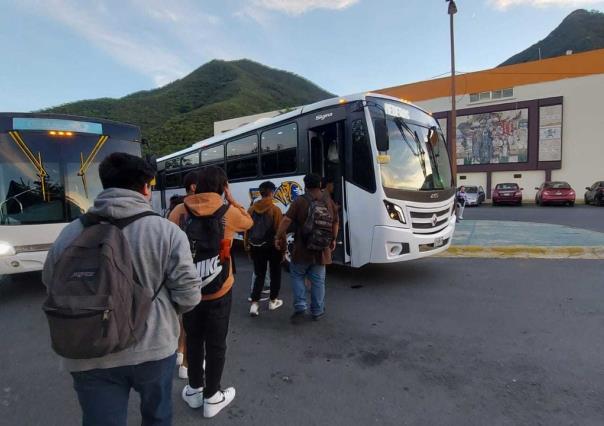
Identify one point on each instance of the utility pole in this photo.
(453, 126)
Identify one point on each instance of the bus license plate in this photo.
(438, 242)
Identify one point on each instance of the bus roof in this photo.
(42, 121)
(266, 122)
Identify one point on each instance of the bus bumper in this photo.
(22, 262)
(391, 244)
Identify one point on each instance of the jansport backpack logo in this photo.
(318, 228)
(206, 236)
(95, 304)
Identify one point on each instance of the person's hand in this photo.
(332, 246)
(228, 195)
(279, 244)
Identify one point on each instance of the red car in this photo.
(507, 193)
(555, 193)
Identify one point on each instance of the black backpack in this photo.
(262, 232)
(206, 237)
(96, 304)
(317, 231)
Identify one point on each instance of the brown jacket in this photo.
(265, 205)
(236, 220)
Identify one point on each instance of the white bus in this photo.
(49, 177)
(387, 158)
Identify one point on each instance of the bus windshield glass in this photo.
(413, 163)
(51, 178)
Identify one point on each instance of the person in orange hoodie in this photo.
(178, 215)
(259, 242)
(207, 325)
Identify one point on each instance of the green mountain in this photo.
(184, 111)
(580, 31)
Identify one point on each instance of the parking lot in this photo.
(437, 341)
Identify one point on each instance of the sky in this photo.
(59, 51)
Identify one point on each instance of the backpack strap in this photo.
(122, 223)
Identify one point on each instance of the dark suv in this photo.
(595, 194)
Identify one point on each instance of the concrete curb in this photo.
(526, 252)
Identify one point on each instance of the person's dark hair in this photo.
(121, 170)
(190, 179)
(312, 181)
(211, 179)
(266, 188)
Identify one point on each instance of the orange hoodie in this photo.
(262, 206)
(236, 220)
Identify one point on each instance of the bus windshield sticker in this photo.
(21, 123)
(396, 111)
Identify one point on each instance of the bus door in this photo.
(326, 158)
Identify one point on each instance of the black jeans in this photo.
(104, 393)
(261, 256)
(206, 328)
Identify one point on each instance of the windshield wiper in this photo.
(85, 164)
(420, 151)
(36, 162)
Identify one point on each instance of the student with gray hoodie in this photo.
(160, 254)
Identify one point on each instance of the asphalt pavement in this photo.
(579, 216)
(432, 342)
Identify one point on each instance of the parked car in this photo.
(555, 193)
(507, 193)
(595, 194)
(475, 195)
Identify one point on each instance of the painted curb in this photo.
(526, 252)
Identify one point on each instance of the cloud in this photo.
(295, 7)
(506, 4)
(150, 37)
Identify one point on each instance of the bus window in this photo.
(362, 166)
(173, 163)
(242, 158)
(278, 150)
(173, 180)
(212, 154)
(191, 159)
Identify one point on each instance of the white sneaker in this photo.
(193, 397)
(274, 304)
(183, 372)
(179, 358)
(213, 405)
(254, 307)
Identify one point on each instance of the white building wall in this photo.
(478, 179)
(582, 136)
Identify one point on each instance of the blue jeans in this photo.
(316, 276)
(103, 393)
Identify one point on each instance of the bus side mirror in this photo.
(382, 140)
(433, 135)
(152, 160)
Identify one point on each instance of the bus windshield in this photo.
(413, 162)
(48, 178)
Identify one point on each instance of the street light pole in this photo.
(453, 126)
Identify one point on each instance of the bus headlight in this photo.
(395, 212)
(6, 249)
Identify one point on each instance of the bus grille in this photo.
(429, 221)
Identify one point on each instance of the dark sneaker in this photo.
(297, 317)
(318, 317)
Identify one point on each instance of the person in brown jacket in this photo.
(259, 242)
(178, 215)
(207, 325)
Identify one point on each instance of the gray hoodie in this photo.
(161, 253)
